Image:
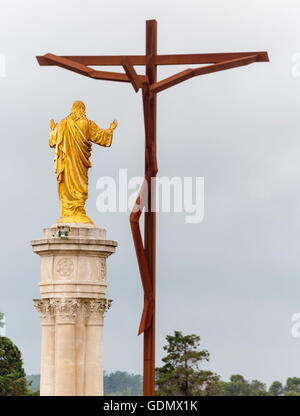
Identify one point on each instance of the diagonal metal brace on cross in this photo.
(146, 253)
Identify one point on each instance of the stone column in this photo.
(48, 347)
(72, 305)
(93, 361)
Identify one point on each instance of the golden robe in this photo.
(72, 139)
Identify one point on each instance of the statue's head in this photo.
(78, 109)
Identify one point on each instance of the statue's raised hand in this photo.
(113, 125)
(52, 124)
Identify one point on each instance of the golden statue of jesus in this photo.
(72, 138)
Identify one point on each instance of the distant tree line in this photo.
(238, 386)
(119, 383)
(123, 384)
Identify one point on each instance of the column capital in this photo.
(97, 305)
(69, 308)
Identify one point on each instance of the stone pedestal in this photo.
(72, 305)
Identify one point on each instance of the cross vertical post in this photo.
(149, 101)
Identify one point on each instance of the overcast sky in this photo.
(234, 279)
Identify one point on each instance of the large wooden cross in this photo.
(150, 87)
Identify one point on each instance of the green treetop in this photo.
(181, 374)
(12, 375)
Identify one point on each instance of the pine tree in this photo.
(181, 376)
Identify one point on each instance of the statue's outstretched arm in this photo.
(100, 136)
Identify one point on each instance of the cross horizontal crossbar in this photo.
(82, 69)
(200, 58)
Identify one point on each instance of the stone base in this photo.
(73, 287)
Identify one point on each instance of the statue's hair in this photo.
(78, 110)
